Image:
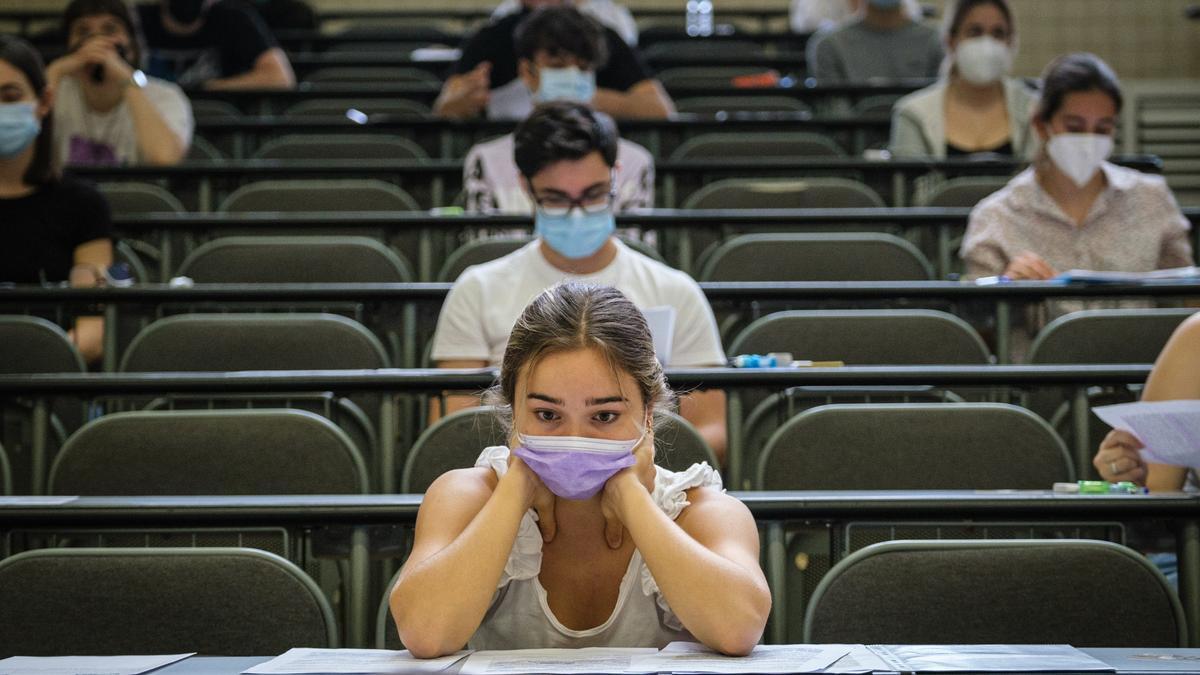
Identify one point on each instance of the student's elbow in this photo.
(165, 154)
(423, 634)
(733, 644)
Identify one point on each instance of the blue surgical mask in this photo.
(19, 126)
(566, 84)
(578, 234)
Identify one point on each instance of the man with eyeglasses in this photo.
(567, 154)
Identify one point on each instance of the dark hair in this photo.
(25, 58)
(1075, 73)
(78, 9)
(575, 315)
(956, 17)
(559, 130)
(561, 31)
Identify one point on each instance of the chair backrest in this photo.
(705, 76)
(133, 198)
(865, 337)
(105, 601)
(309, 259)
(373, 75)
(691, 48)
(995, 592)
(209, 452)
(455, 441)
(6, 487)
(1107, 336)
(340, 146)
(386, 635)
(914, 446)
(865, 256)
(34, 345)
(763, 144)
(878, 104)
(783, 193)
(202, 150)
(964, 191)
(708, 105)
(358, 194)
(209, 110)
(212, 342)
(336, 107)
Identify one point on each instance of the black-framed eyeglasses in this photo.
(562, 205)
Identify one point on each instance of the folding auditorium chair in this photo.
(855, 337)
(214, 601)
(355, 195)
(783, 193)
(760, 144)
(709, 105)
(295, 259)
(995, 592)
(1097, 336)
(373, 75)
(456, 440)
(338, 107)
(340, 146)
(866, 256)
(692, 48)
(252, 341)
(386, 635)
(34, 345)
(6, 483)
(133, 198)
(963, 191)
(705, 76)
(209, 452)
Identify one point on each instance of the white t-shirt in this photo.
(83, 136)
(487, 300)
(520, 615)
(493, 183)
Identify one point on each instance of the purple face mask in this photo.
(575, 467)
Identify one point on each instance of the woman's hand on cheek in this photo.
(639, 476)
(538, 497)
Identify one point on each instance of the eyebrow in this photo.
(590, 402)
(598, 185)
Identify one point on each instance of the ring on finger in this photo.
(1112, 466)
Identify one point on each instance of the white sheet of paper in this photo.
(1101, 276)
(1170, 430)
(86, 665)
(586, 661)
(34, 500)
(300, 661)
(988, 658)
(692, 657)
(859, 661)
(662, 328)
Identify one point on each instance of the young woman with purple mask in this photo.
(575, 538)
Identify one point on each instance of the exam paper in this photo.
(988, 658)
(36, 500)
(661, 322)
(692, 657)
(299, 661)
(86, 665)
(1170, 430)
(859, 661)
(589, 660)
(1100, 276)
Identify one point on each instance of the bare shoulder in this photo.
(460, 490)
(710, 507)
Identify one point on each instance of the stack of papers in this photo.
(1170, 430)
(353, 661)
(1096, 277)
(989, 658)
(86, 665)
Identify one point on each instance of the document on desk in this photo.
(302, 661)
(989, 658)
(586, 661)
(692, 657)
(86, 665)
(860, 661)
(1170, 430)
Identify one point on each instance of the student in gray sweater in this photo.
(885, 43)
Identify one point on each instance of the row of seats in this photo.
(212, 600)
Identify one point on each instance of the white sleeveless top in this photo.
(520, 616)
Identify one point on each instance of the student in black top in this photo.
(213, 44)
(51, 228)
(488, 69)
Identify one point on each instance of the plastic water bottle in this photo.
(119, 275)
(699, 18)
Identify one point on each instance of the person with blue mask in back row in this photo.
(492, 75)
(567, 154)
(885, 43)
(558, 51)
(571, 536)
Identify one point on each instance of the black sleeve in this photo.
(244, 37)
(625, 66)
(475, 50)
(87, 212)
